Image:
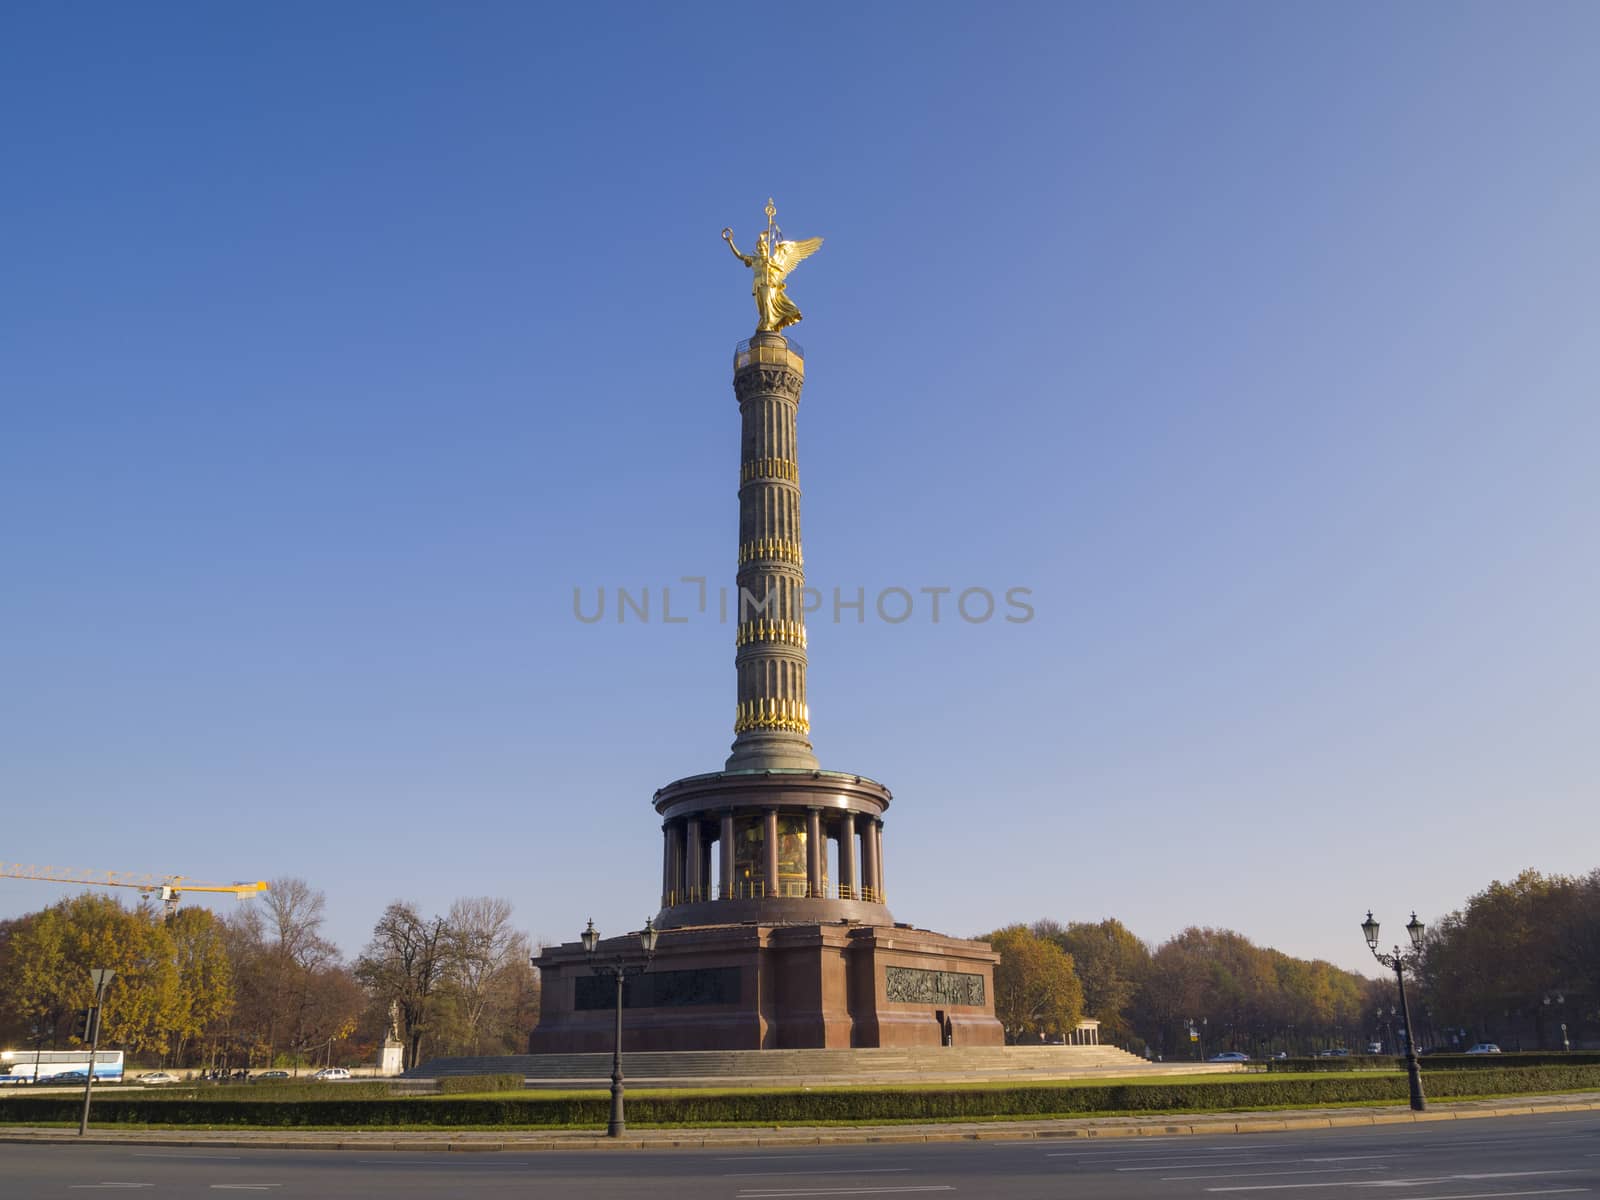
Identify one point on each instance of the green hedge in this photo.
(1528, 1058)
(1353, 1062)
(338, 1107)
(457, 1084)
(1434, 1062)
(277, 1091)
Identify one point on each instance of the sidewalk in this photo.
(749, 1137)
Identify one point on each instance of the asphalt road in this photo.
(1554, 1155)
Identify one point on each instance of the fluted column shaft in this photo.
(770, 846)
(666, 862)
(694, 847)
(877, 837)
(869, 861)
(675, 860)
(847, 856)
(814, 852)
(772, 722)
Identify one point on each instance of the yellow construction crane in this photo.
(168, 887)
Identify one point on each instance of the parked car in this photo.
(1338, 1052)
(1484, 1048)
(157, 1077)
(332, 1074)
(270, 1075)
(67, 1077)
(1374, 1047)
(1228, 1056)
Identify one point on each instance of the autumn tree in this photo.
(204, 978)
(404, 965)
(54, 952)
(1244, 996)
(16, 1028)
(295, 993)
(1518, 960)
(483, 974)
(1111, 963)
(1036, 992)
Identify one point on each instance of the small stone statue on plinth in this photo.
(391, 1055)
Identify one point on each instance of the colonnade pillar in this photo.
(690, 873)
(847, 857)
(770, 846)
(672, 873)
(869, 862)
(666, 862)
(814, 852)
(692, 859)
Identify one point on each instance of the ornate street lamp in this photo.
(621, 970)
(1398, 961)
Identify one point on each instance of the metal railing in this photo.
(744, 354)
(755, 889)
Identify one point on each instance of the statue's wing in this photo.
(789, 255)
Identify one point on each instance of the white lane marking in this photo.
(1152, 1155)
(1489, 1195)
(870, 1191)
(87, 1187)
(441, 1158)
(1419, 1181)
(759, 1157)
(1178, 1166)
(180, 1154)
(842, 1170)
(1118, 1147)
(455, 1160)
(1256, 1174)
(243, 1187)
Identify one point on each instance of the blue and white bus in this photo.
(39, 1066)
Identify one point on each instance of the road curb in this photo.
(1066, 1129)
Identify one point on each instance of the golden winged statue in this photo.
(770, 266)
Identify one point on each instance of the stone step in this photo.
(782, 1064)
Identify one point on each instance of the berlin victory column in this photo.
(760, 948)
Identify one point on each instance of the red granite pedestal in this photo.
(765, 986)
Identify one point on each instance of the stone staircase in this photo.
(752, 1068)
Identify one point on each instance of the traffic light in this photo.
(94, 1025)
(80, 1024)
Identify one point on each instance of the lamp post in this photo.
(102, 977)
(621, 970)
(1398, 962)
(1560, 999)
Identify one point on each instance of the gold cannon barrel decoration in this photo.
(772, 550)
(789, 633)
(790, 716)
(769, 468)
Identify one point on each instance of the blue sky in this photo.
(340, 344)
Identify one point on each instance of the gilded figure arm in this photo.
(727, 236)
